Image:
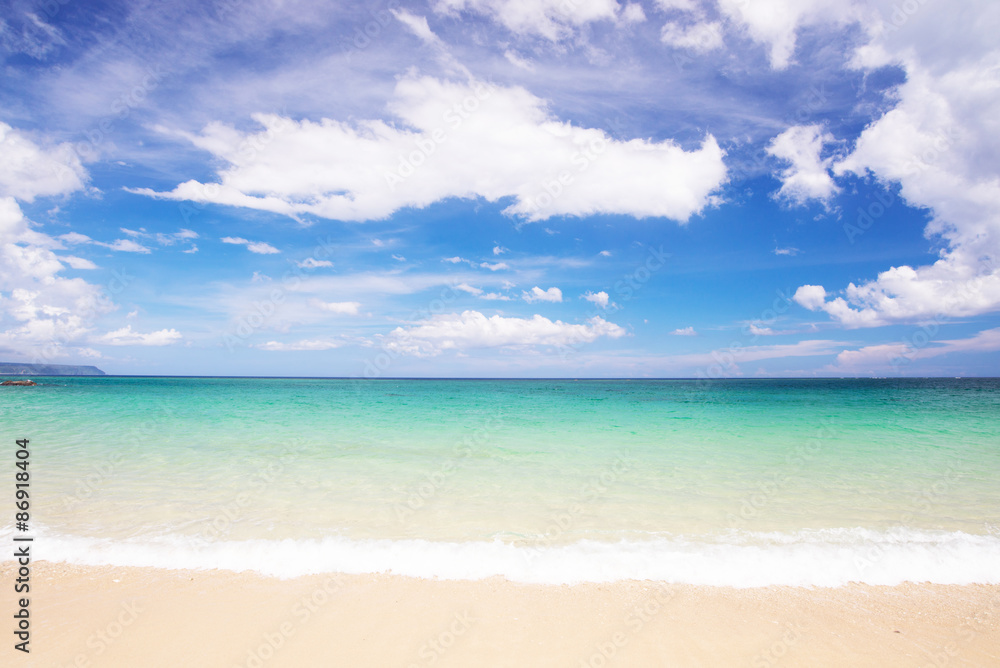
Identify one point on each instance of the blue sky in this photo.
(502, 187)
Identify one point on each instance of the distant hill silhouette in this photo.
(19, 369)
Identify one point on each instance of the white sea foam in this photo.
(828, 557)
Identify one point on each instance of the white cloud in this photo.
(74, 238)
(761, 331)
(124, 246)
(28, 170)
(472, 329)
(633, 13)
(499, 250)
(939, 144)
(126, 337)
(599, 298)
(810, 296)
(685, 331)
(465, 287)
(538, 295)
(261, 248)
(258, 247)
(496, 266)
(882, 358)
(500, 143)
(305, 344)
(453, 260)
(343, 308)
(44, 314)
(786, 251)
(518, 61)
(418, 26)
(775, 22)
(605, 253)
(680, 5)
(78, 262)
(807, 177)
(313, 263)
(398, 258)
(171, 239)
(698, 38)
(552, 19)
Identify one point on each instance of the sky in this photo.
(502, 188)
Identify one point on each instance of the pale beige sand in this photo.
(143, 617)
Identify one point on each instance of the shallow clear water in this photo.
(733, 482)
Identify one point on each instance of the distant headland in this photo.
(19, 369)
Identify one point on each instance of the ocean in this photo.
(742, 483)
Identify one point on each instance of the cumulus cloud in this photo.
(258, 247)
(599, 298)
(685, 331)
(810, 296)
(807, 176)
(496, 266)
(939, 144)
(466, 140)
(126, 337)
(28, 170)
(44, 314)
(472, 329)
(305, 344)
(775, 23)
(536, 294)
(342, 308)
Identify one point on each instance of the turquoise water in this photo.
(732, 482)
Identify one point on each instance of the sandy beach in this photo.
(109, 616)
